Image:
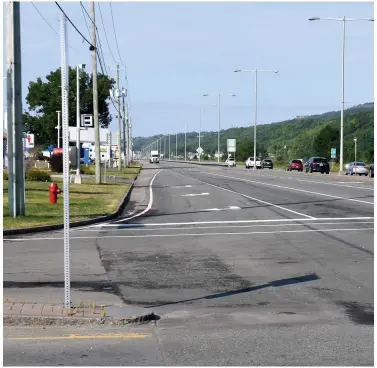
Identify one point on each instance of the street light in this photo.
(355, 140)
(344, 20)
(219, 109)
(256, 103)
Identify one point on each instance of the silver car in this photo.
(357, 168)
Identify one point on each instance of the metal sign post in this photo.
(65, 116)
(333, 156)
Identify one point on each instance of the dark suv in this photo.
(267, 164)
(317, 164)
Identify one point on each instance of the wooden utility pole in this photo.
(97, 147)
(16, 155)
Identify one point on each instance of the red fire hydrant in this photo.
(53, 190)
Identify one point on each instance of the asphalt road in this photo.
(244, 268)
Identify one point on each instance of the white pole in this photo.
(78, 179)
(255, 119)
(185, 141)
(169, 147)
(176, 146)
(218, 133)
(58, 128)
(342, 109)
(65, 115)
(200, 130)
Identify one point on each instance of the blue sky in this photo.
(175, 52)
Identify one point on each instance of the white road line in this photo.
(252, 198)
(181, 186)
(223, 209)
(194, 194)
(197, 234)
(149, 204)
(289, 188)
(226, 222)
(340, 184)
(120, 227)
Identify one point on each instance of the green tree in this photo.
(327, 138)
(44, 99)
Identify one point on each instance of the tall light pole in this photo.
(200, 131)
(219, 120)
(355, 140)
(256, 71)
(176, 146)
(185, 141)
(78, 179)
(58, 127)
(343, 20)
(169, 148)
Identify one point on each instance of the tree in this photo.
(44, 99)
(327, 138)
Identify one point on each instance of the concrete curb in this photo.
(111, 216)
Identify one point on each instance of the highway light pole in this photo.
(355, 140)
(78, 179)
(176, 146)
(343, 20)
(185, 141)
(218, 120)
(169, 148)
(200, 131)
(256, 71)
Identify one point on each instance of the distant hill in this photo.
(301, 137)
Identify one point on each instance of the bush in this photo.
(37, 175)
(87, 170)
(56, 162)
(5, 175)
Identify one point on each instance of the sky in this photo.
(176, 52)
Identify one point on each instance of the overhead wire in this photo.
(116, 40)
(52, 28)
(104, 29)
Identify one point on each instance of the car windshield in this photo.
(319, 159)
(360, 164)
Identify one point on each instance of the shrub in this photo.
(87, 170)
(56, 162)
(5, 175)
(37, 175)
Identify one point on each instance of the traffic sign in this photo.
(231, 145)
(199, 150)
(29, 141)
(333, 152)
(50, 147)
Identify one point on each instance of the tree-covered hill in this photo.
(295, 138)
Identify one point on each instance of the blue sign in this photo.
(50, 147)
(333, 152)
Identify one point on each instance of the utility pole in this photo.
(119, 120)
(16, 167)
(125, 123)
(58, 127)
(130, 145)
(97, 147)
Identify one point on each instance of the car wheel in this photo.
(366, 174)
(322, 172)
(327, 172)
(310, 170)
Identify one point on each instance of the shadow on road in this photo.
(277, 283)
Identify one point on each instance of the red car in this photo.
(295, 165)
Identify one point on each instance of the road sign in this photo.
(29, 141)
(231, 145)
(50, 147)
(199, 150)
(333, 152)
(87, 120)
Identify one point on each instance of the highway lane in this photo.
(259, 284)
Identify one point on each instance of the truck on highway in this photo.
(154, 157)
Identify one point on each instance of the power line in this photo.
(52, 27)
(73, 25)
(82, 11)
(104, 29)
(116, 41)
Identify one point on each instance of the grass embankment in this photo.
(129, 172)
(86, 201)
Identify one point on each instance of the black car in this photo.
(371, 171)
(267, 164)
(317, 164)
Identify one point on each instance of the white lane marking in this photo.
(226, 222)
(289, 188)
(197, 234)
(120, 227)
(149, 204)
(223, 209)
(252, 198)
(340, 184)
(194, 194)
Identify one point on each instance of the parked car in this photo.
(317, 164)
(230, 162)
(295, 165)
(250, 163)
(371, 171)
(357, 168)
(267, 164)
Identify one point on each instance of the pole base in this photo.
(78, 179)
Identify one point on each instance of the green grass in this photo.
(86, 201)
